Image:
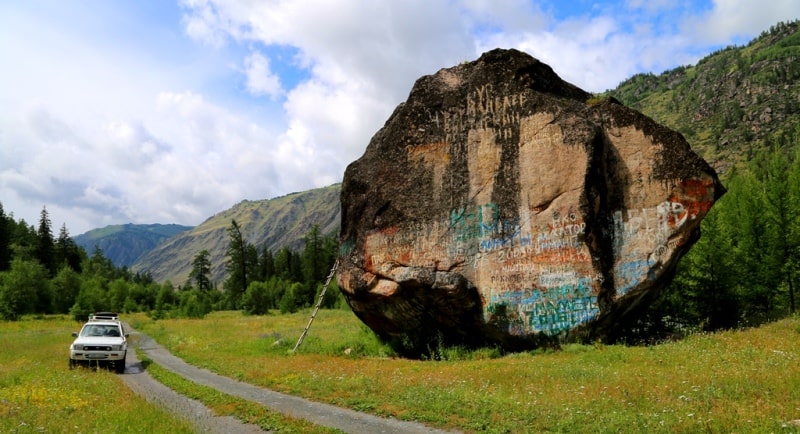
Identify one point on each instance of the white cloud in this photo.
(205, 24)
(260, 79)
(361, 57)
(591, 53)
(740, 18)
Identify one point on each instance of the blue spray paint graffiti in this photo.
(549, 311)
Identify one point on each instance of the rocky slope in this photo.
(273, 223)
(734, 102)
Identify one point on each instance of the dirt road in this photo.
(321, 414)
(141, 383)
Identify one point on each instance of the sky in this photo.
(159, 111)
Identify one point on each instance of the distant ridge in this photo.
(274, 223)
(124, 244)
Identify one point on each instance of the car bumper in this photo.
(97, 355)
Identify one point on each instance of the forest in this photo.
(44, 274)
(744, 269)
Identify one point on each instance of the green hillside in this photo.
(272, 224)
(124, 244)
(733, 103)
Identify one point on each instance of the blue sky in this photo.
(154, 111)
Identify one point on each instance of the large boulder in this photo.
(502, 205)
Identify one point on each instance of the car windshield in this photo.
(100, 330)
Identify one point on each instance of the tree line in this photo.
(44, 274)
(744, 270)
(259, 280)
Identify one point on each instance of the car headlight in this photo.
(77, 347)
(116, 347)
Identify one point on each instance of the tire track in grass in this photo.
(327, 415)
(204, 420)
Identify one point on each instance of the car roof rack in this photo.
(104, 316)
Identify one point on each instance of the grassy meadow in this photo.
(741, 381)
(39, 393)
(738, 381)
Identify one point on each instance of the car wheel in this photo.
(119, 365)
(73, 363)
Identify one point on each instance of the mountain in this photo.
(274, 224)
(124, 244)
(733, 103)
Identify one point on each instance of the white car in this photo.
(101, 341)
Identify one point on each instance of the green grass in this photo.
(39, 393)
(743, 381)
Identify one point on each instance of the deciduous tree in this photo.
(24, 289)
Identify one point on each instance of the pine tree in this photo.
(201, 271)
(750, 246)
(793, 230)
(101, 266)
(313, 261)
(45, 244)
(779, 218)
(266, 265)
(5, 240)
(67, 251)
(239, 265)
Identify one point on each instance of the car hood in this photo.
(99, 340)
